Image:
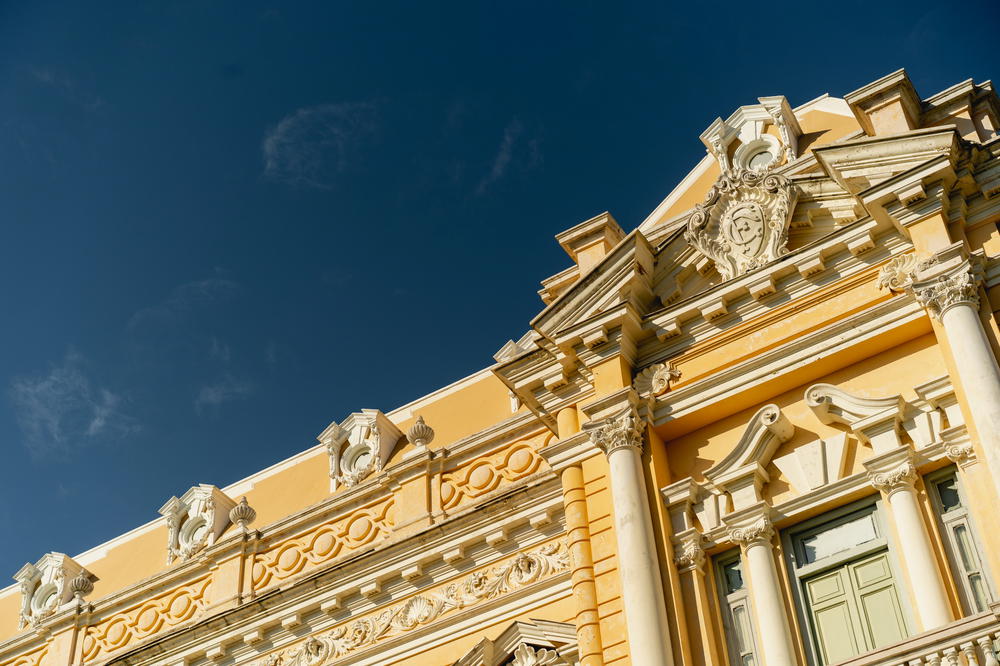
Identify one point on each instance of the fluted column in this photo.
(621, 439)
(945, 284)
(753, 531)
(894, 475)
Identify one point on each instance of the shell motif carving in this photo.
(522, 570)
(743, 222)
(486, 474)
(898, 273)
(146, 619)
(655, 380)
(323, 543)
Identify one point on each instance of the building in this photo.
(761, 428)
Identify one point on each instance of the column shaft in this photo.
(642, 589)
(933, 606)
(979, 376)
(765, 590)
(588, 625)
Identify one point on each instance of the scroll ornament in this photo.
(524, 569)
(689, 552)
(743, 222)
(760, 531)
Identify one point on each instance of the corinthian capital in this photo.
(751, 526)
(938, 282)
(946, 291)
(623, 431)
(689, 551)
(892, 471)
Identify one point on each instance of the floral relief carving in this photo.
(323, 543)
(898, 273)
(486, 474)
(150, 617)
(525, 655)
(743, 222)
(423, 609)
(689, 553)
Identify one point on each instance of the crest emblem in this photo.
(743, 222)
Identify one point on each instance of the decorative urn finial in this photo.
(81, 585)
(242, 514)
(420, 434)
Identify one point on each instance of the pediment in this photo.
(623, 277)
(526, 643)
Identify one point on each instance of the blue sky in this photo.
(228, 224)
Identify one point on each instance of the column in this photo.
(894, 475)
(588, 624)
(946, 286)
(689, 556)
(620, 437)
(752, 530)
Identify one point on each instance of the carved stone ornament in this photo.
(899, 272)
(743, 222)
(420, 434)
(759, 531)
(947, 291)
(359, 446)
(655, 380)
(195, 520)
(623, 431)
(242, 514)
(898, 478)
(525, 655)
(48, 584)
(425, 608)
(689, 552)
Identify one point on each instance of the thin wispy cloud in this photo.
(226, 389)
(64, 409)
(516, 148)
(183, 299)
(312, 146)
(219, 351)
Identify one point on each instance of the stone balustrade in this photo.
(971, 641)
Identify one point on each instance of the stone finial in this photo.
(81, 586)
(420, 434)
(242, 514)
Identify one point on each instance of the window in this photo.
(846, 584)
(736, 616)
(960, 543)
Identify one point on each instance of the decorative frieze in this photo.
(487, 473)
(195, 520)
(623, 431)
(49, 583)
(423, 609)
(743, 222)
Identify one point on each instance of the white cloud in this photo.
(227, 389)
(313, 145)
(68, 87)
(63, 409)
(504, 155)
(183, 298)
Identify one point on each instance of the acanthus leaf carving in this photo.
(898, 478)
(947, 291)
(743, 222)
(623, 431)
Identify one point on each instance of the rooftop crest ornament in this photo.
(743, 222)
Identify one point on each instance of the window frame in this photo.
(957, 570)
(797, 574)
(727, 601)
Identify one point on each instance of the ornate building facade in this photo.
(763, 428)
